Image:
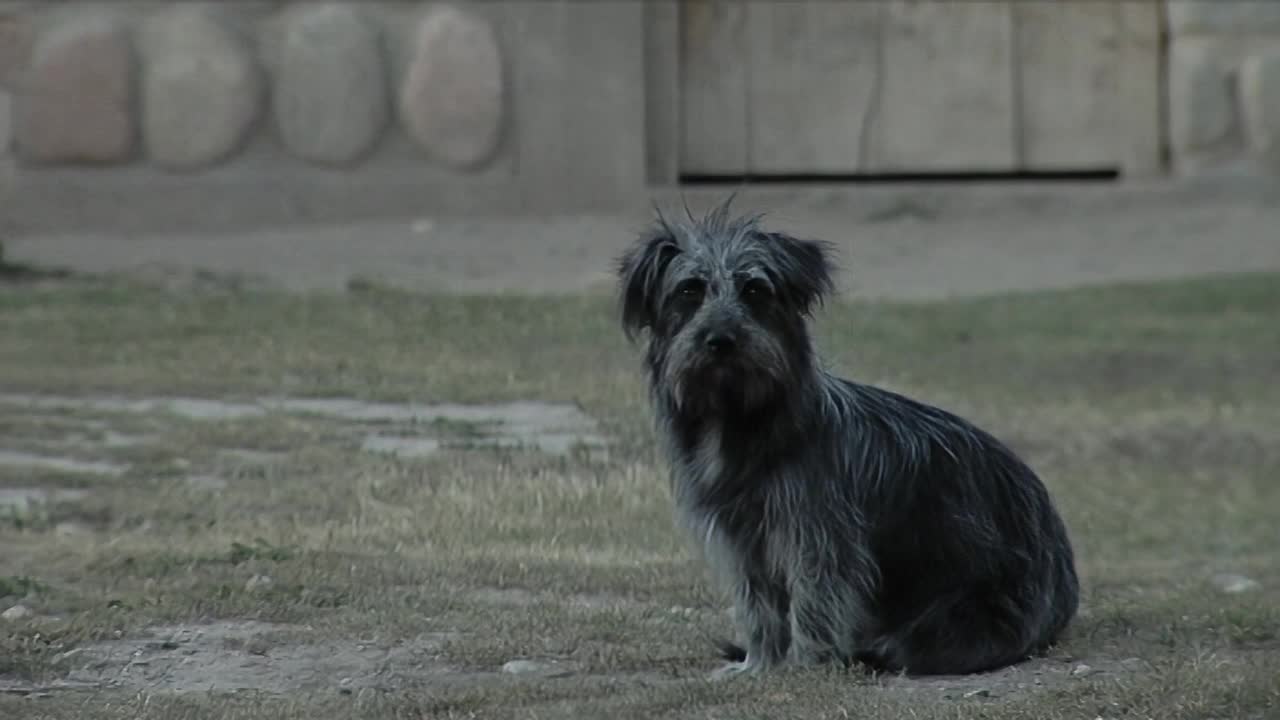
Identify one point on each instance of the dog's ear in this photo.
(804, 269)
(640, 273)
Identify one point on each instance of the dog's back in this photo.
(956, 514)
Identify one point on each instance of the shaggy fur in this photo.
(849, 522)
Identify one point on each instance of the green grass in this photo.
(1150, 410)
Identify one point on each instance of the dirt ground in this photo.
(910, 243)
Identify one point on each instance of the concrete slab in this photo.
(404, 430)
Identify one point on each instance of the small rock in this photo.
(330, 96)
(77, 100)
(980, 692)
(201, 89)
(206, 482)
(69, 529)
(521, 667)
(532, 667)
(17, 612)
(1134, 664)
(258, 583)
(1235, 584)
(451, 100)
(1082, 670)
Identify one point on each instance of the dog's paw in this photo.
(731, 651)
(733, 670)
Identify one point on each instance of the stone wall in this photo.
(1224, 86)
(188, 86)
(461, 102)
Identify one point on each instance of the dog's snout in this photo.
(720, 343)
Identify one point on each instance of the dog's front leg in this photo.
(828, 617)
(761, 608)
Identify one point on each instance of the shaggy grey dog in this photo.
(849, 522)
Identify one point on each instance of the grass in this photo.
(1150, 410)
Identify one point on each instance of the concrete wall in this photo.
(809, 86)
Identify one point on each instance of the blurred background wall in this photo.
(388, 106)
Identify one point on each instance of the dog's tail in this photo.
(731, 651)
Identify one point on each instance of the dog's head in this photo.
(725, 305)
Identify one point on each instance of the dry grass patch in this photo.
(266, 566)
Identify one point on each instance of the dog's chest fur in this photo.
(725, 500)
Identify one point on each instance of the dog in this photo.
(850, 524)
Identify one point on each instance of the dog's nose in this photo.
(720, 343)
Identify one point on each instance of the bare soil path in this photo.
(894, 243)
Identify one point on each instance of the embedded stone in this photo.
(1235, 584)
(1260, 99)
(15, 613)
(259, 583)
(1202, 108)
(451, 100)
(330, 94)
(201, 89)
(533, 667)
(76, 101)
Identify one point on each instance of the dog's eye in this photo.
(756, 290)
(690, 289)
